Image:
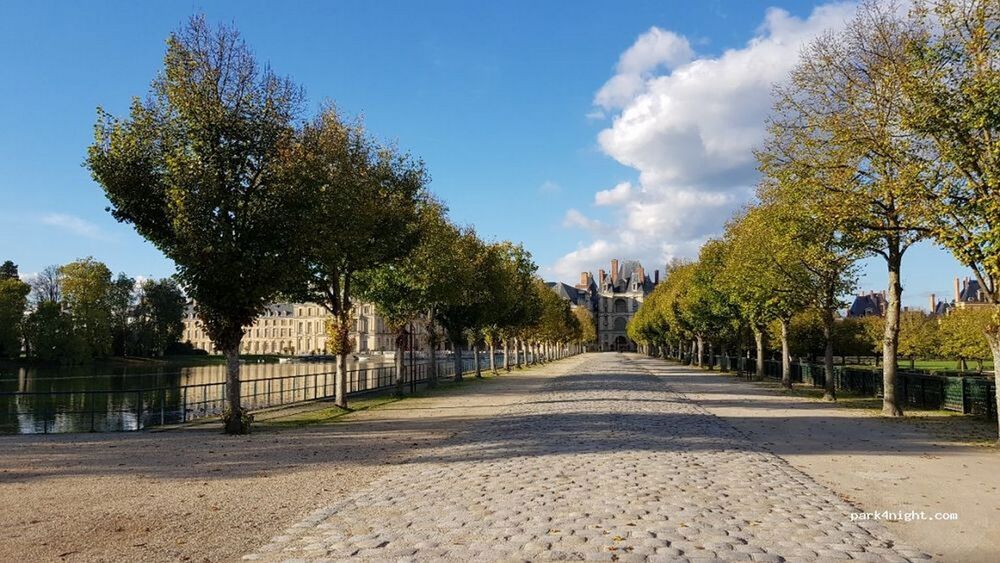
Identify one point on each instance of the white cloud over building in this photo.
(688, 126)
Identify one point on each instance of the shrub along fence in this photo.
(967, 394)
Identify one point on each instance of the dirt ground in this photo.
(902, 465)
(194, 494)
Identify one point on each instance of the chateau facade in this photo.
(299, 329)
(612, 297)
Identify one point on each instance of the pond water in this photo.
(39, 399)
(100, 398)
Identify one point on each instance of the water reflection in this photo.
(100, 398)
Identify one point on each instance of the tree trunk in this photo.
(432, 375)
(786, 357)
(994, 339)
(235, 423)
(758, 336)
(456, 346)
(517, 352)
(475, 356)
(700, 350)
(739, 348)
(506, 354)
(891, 402)
(400, 366)
(829, 389)
(493, 357)
(340, 395)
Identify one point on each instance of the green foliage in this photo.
(195, 169)
(588, 326)
(952, 84)
(50, 336)
(338, 335)
(961, 334)
(556, 323)
(13, 302)
(86, 290)
(158, 317)
(121, 301)
(364, 213)
(420, 284)
(8, 270)
(918, 335)
(858, 337)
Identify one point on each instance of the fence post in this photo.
(184, 403)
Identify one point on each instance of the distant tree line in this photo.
(254, 202)
(78, 312)
(886, 133)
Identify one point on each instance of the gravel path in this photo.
(604, 463)
(195, 494)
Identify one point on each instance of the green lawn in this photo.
(323, 412)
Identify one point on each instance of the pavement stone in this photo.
(606, 462)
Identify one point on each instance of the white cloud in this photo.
(652, 50)
(74, 225)
(618, 194)
(576, 220)
(688, 126)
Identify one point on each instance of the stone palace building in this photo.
(612, 298)
(299, 329)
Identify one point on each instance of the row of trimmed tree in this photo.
(78, 312)
(219, 170)
(885, 134)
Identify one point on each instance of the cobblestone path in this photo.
(605, 463)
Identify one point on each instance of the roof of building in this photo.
(868, 304)
(970, 292)
(565, 291)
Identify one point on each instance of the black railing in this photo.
(967, 394)
(129, 410)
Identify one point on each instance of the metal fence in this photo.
(967, 394)
(130, 410)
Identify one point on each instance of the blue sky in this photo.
(583, 129)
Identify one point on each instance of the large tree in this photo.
(467, 310)
(13, 302)
(121, 301)
(86, 290)
(159, 316)
(762, 279)
(50, 336)
(840, 117)
(952, 83)
(364, 203)
(45, 286)
(808, 246)
(195, 168)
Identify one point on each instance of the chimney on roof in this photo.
(600, 277)
(614, 270)
(642, 274)
(656, 276)
(583, 278)
(933, 303)
(958, 293)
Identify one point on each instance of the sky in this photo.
(586, 130)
